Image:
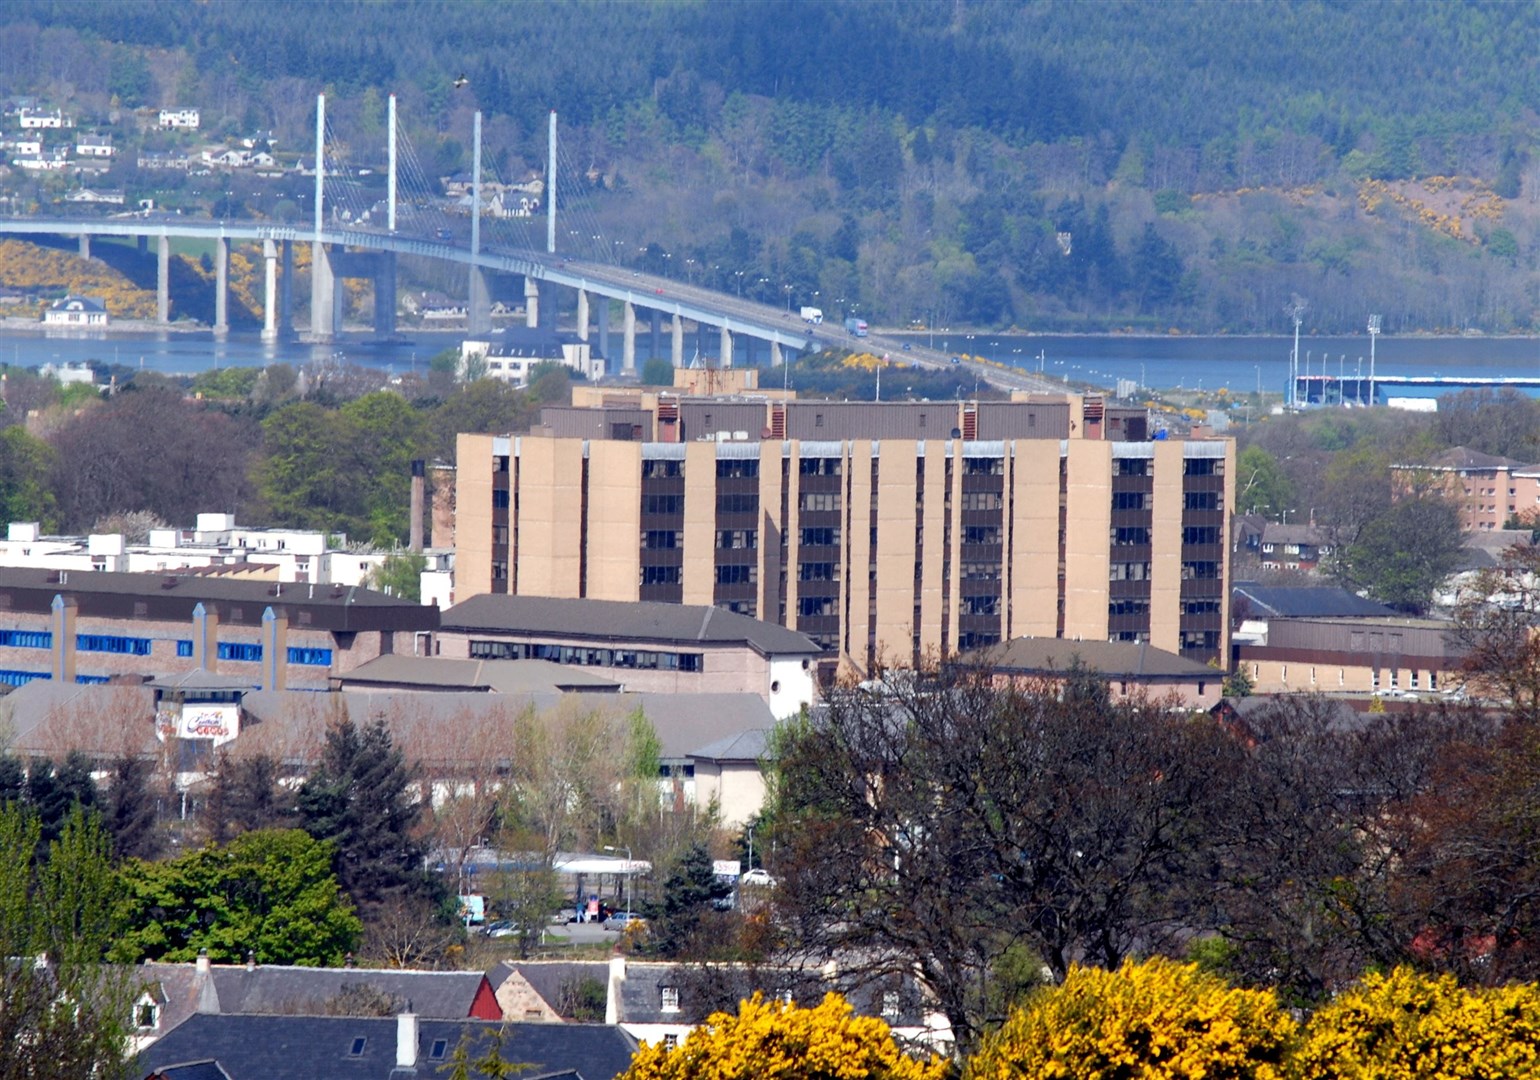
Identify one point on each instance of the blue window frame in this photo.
(184, 648)
(113, 643)
(235, 650)
(26, 639)
(21, 678)
(90, 680)
(310, 657)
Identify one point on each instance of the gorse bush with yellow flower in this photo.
(772, 1041)
(1157, 1020)
(1408, 1026)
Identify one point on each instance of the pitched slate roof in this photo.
(323, 1047)
(498, 676)
(1115, 659)
(613, 621)
(746, 746)
(550, 978)
(447, 995)
(1462, 458)
(1308, 602)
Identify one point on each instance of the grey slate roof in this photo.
(1275, 533)
(446, 995)
(193, 1070)
(550, 978)
(1307, 602)
(321, 1047)
(1114, 659)
(499, 676)
(615, 621)
(746, 746)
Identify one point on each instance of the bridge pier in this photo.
(286, 293)
(726, 360)
(222, 286)
(385, 296)
(676, 352)
(604, 332)
(478, 305)
(776, 359)
(582, 314)
(85, 245)
(628, 340)
(269, 292)
(323, 298)
(531, 302)
(144, 244)
(163, 281)
(657, 334)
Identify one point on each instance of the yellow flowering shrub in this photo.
(1405, 1025)
(1155, 1020)
(772, 1041)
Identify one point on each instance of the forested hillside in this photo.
(1052, 165)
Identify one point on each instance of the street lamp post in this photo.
(627, 893)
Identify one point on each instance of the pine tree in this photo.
(358, 798)
(690, 895)
(130, 809)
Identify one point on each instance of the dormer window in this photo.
(670, 999)
(146, 1015)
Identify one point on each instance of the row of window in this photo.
(585, 657)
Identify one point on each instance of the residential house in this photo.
(1130, 668)
(163, 159)
(178, 119)
(1294, 547)
(37, 119)
(373, 1048)
(76, 313)
(94, 146)
(510, 353)
(93, 197)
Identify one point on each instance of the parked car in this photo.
(758, 876)
(624, 920)
(501, 928)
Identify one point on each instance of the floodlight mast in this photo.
(1374, 333)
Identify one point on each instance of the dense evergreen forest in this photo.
(1049, 165)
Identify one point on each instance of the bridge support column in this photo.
(776, 359)
(628, 340)
(286, 292)
(323, 294)
(604, 332)
(657, 334)
(385, 296)
(676, 353)
(85, 245)
(269, 292)
(478, 311)
(531, 302)
(582, 314)
(163, 280)
(222, 286)
(727, 348)
(144, 244)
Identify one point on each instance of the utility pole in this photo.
(1374, 333)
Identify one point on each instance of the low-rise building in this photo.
(1399, 657)
(510, 353)
(665, 648)
(76, 313)
(179, 119)
(1130, 669)
(94, 146)
(37, 119)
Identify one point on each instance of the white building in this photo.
(179, 119)
(32, 119)
(94, 146)
(76, 312)
(509, 354)
(216, 544)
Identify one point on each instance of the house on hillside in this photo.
(178, 119)
(1294, 547)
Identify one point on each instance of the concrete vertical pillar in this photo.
(286, 292)
(657, 334)
(323, 317)
(222, 286)
(205, 638)
(676, 351)
(727, 348)
(419, 485)
(275, 651)
(582, 314)
(269, 292)
(531, 302)
(85, 245)
(163, 280)
(604, 329)
(64, 612)
(628, 340)
(776, 359)
(478, 312)
(385, 296)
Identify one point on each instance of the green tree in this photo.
(1403, 555)
(270, 892)
(690, 894)
(247, 795)
(129, 808)
(657, 372)
(70, 1018)
(358, 799)
(1261, 487)
(388, 435)
(25, 491)
(399, 575)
